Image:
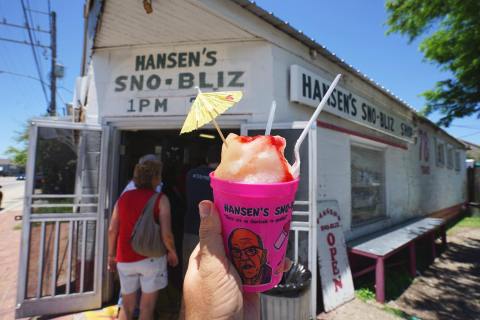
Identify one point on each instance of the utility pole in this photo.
(52, 110)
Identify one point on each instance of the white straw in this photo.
(296, 165)
(270, 118)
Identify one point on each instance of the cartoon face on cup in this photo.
(249, 257)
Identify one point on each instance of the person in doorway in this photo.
(131, 186)
(198, 189)
(137, 271)
(142, 160)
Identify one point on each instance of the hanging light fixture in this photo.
(147, 5)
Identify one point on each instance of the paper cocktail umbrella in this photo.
(207, 106)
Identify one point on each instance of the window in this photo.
(450, 158)
(457, 161)
(440, 153)
(368, 183)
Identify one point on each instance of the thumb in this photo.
(210, 232)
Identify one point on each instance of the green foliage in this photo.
(396, 312)
(18, 154)
(454, 46)
(365, 294)
(469, 222)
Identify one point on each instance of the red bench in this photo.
(382, 245)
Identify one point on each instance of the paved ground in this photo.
(9, 255)
(13, 192)
(357, 310)
(450, 288)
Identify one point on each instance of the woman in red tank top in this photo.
(137, 271)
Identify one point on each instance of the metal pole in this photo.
(53, 78)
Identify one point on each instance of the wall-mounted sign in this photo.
(162, 80)
(308, 88)
(337, 283)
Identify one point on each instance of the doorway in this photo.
(179, 154)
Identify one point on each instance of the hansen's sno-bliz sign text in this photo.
(308, 88)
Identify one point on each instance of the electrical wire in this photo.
(33, 51)
(471, 134)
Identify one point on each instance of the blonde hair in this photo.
(144, 173)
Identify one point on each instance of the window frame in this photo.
(439, 160)
(373, 147)
(450, 160)
(457, 160)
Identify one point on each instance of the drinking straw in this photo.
(296, 164)
(270, 118)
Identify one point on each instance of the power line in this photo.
(31, 77)
(13, 25)
(466, 127)
(33, 50)
(25, 42)
(471, 134)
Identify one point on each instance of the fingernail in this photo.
(204, 209)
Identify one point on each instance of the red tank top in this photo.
(129, 208)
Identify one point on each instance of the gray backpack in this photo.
(146, 238)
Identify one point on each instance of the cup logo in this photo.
(249, 257)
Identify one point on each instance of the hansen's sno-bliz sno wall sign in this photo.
(337, 283)
(308, 88)
(162, 81)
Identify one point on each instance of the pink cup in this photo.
(255, 226)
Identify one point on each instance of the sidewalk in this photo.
(10, 233)
(450, 288)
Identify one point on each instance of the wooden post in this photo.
(434, 249)
(413, 259)
(380, 280)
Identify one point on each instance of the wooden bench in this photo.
(382, 245)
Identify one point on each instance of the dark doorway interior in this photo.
(179, 153)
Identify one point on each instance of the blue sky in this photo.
(352, 29)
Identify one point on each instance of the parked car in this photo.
(21, 177)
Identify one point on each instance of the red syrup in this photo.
(279, 145)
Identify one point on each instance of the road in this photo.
(13, 192)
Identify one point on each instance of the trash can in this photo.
(290, 298)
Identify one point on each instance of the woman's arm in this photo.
(166, 229)
(112, 239)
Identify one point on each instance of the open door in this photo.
(61, 253)
(302, 245)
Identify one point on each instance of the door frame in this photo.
(115, 126)
(62, 303)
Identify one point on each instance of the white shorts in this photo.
(149, 274)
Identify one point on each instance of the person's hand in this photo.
(212, 287)
(172, 258)
(112, 264)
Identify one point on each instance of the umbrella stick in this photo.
(219, 131)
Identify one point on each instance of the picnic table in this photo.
(383, 244)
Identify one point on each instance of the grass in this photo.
(469, 222)
(466, 222)
(397, 280)
(396, 312)
(365, 294)
(18, 226)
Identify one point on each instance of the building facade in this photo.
(369, 151)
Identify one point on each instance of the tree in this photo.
(454, 46)
(18, 154)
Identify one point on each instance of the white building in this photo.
(370, 151)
